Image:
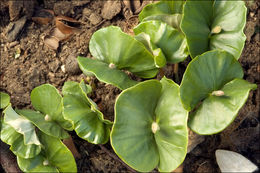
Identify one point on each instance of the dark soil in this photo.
(38, 64)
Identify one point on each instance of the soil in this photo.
(38, 64)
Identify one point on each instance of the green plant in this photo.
(35, 137)
(114, 51)
(150, 127)
(213, 89)
(88, 121)
(215, 24)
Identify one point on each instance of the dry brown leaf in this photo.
(59, 35)
(52, 42)
(43, 16)
(70, 144)
(67, 25)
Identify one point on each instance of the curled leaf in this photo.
(67, 25)
(43, 16)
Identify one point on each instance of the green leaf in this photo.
(114, 50)
(161, 8)
(58, 154)
(215, 24)
(47, 100)
(105, 74)
(4, 100)
(16, 140)
(89, 122)
(171, 41)
(137, 109)
(35, 164)
(49, 127)
(207, 73)
(217, 112)
(21, 125)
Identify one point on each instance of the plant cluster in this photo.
(151, 117)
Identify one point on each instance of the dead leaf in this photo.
(52, 42)
(43, 16)
(67, 25)
(59, 35)
(70, 144)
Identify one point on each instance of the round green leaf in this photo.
(35, 164)
(215, 24)
(217, 112)
(171, 41)
(89, 122)
(207, 73)
(133, 137)
(4, 100)
(161, 8)
(49, 127)
(16, 140)
(47, 100)
(21, 125)
(57, 153)
(105, 74)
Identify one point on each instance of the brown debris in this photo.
(66, 24)
(111, 9)
(52, 42)
(70, 144)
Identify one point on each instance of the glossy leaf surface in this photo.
(16, 140)
(170, 40)
(104, 73)
(4, 100)
(210, 25)
(58, 154)
(217, 112)
(21, 125)
(47, 100)
(89, 122)
(49, 127)
(35, 164)
(132, 137)
(207, 73)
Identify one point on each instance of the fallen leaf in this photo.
(52, 42)
(67, 25)
(43, 16)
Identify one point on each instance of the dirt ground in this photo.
(38, 64)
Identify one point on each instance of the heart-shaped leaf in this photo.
(10, 136)
(150, 127)
(49, 127)
(217, 112)
(214, 24)
(4, 100)
(88, 121)
(36, 164)
(21, 125)
(47, 100)
(170, 40)
(207, 79)
(115, 51)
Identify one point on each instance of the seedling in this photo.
(213, 89)
(88, 121)
(150, 127)
(210, 25)
(114, 51)
(161, 22)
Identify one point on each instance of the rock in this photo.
(94, 19)
(14, 28)
(250, 30)
(71, 65)
(111, 9)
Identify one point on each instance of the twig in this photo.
(115, 157)
(176, 71)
